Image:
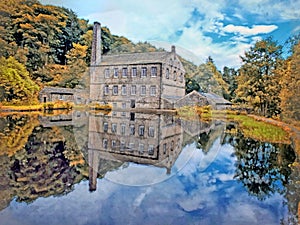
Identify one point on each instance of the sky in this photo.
(222, 29)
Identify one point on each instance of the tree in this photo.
(290, 81)
(16, 84)
(258, 85)
(229, 76)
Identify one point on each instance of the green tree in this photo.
(229, 76)
(258, 85)
(16, 84)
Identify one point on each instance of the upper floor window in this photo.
(144, 72)
(153, 71)
(105, 143)
(123, 128)
(143, 90)
(134, 72)
(106, 73)
(133, 90)
(116, 73)
(153, 90)
(124, 90)
(124, 72)
(141, 130)
(132, 129)
(115, 90)
(105, 126)
(106, 90)
(151, 132)
(167, 73)
(174, 75)
(114, 128)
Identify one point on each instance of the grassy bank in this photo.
(251, 126)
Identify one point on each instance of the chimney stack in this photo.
(173, 49)
(96, 44)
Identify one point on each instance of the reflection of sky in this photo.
(193, 195)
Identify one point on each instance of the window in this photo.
(115, 90)
(123, 128)
(124, 72)
(167, 73)
(105, 143)
(132, 116)
(123, 105)
(132, 129)
(165, 148)
(124, 89)
(116, 73)
(122, 147)
(151, 132)
(133, 90)
(153, 90)
(105, 126)
(61, 97)
(114, 128)
(153, 71)
(144, 72)
(113, 144)
(141, 148)
(141, 130)
(181, 77)
(131, 146)
(143, 90)
(106, 90)
(151, 150)
(134, 72)
(174, 75)
(106, 73)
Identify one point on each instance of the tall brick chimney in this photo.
(96, 44)
(173, 50)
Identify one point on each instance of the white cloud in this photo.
(160, 21)
(272, 9)
(246, 31)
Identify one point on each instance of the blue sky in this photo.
(222, 29)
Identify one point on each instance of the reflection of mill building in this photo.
(141, 80)
(141, 138)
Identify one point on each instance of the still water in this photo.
(90, 168)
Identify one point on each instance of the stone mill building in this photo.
(135, 80)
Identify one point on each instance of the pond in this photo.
(91, 168)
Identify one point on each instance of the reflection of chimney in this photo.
(173, 49)
(93, 159)
(96, 44)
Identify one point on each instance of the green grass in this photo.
(262, 129)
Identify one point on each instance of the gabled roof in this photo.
(48, 89)
(135, 58)
(217, 99)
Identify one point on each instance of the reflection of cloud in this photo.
(141, 175)
(189, 197)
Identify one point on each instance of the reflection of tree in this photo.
(48, 165)
(45, 169)
(262, 167)
(14, 132)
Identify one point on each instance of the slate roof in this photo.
(134, 58)
(217, 99)
(57, 90)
